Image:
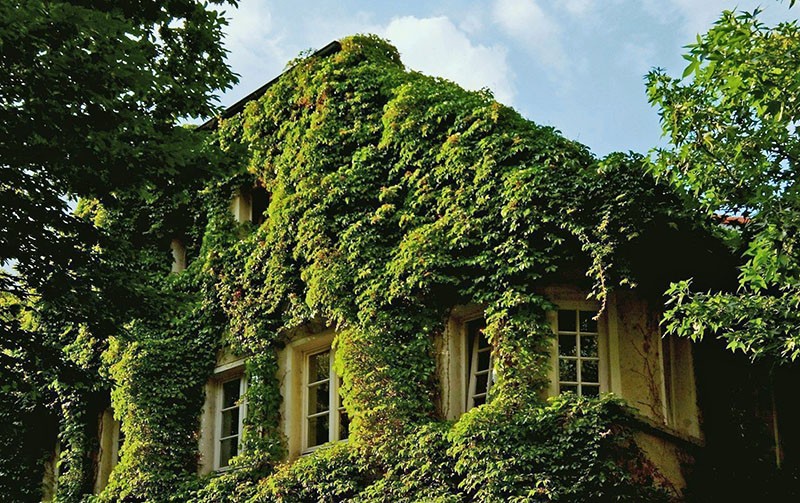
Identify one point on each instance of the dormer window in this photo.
(312, 409)
(178, 255)
(250, 205)
(465, 365)
(259, 198)
(111, 440)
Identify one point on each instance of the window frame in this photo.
(249, 204)
(603, 357)
(453, 360)
(241, 205)
(471, 350)
(222, 375)
(109, 435)
(334, 400)
(301, 342)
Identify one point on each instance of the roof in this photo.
(733, 220)
(237, 107)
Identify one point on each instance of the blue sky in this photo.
(576, 65)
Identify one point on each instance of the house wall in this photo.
(668, 455)
(656, 376)
(662, 389)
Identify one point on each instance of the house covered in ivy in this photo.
(399, 290)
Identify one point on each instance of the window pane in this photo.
(483, 342)
(230, 393)
(566, 321)
(567, 370)
(590, 390)
(228, 448)
(230, 422)
(319, 397)
(589, 345)
(589, 371)
(481, 383)
(566, 388)
(479, 400)
(319, 366)
(484, 358)
(317, 430)
(344, 425)
(567, 345)
(475, 329)
(587, 323)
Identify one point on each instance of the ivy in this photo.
(393, 197)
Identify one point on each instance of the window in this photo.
(324, 417)
(249, 204)
(480, 374)
(110, 440)
(178, 255)
(231, 410)
(259, 203)
(579, 363)
(242, 206)
(464, 362)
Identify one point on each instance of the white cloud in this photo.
(694, 16)
(248, 23)
(257, 50)
(471, 23)
(259, 47)
(435, 46)
(577, 7)
(527, 22)
(698, 16)
(322, 28)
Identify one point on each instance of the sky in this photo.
(576, 65)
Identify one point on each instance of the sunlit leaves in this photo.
(732, 123)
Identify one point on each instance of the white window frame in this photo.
(471, 363)
(225, 374)
(293, 376)
(602, 345)
(335, 406)
(454, 363)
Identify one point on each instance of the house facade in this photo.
(405, 256)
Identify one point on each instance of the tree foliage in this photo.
(91, 95)
(732, 123)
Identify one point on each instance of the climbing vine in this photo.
(394, 196)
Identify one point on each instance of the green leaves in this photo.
(735, 148)
(395, 197)
(91, 95)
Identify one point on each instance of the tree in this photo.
(735, 148)
(91, 96)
